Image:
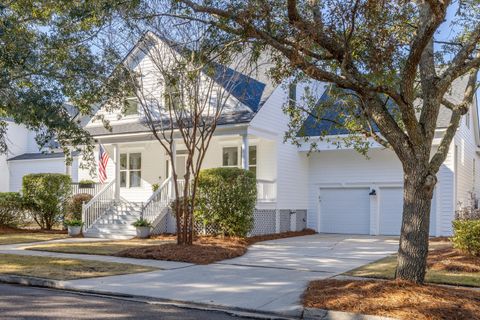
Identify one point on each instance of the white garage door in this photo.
(391, 207)
(345, 210)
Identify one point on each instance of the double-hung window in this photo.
(231, 157)
(131, 107)
(130, 170)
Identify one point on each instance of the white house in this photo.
(24, 156)
(334, 190)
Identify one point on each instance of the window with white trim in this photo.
(130, 170)
(131, 107)
(231, 157)
(252, 159)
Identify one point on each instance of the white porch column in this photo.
(116, 160)
(171, 163)
(245, 163)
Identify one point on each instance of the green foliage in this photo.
(467, 236)
(46, 196)
(142, 223)
(11, 209)
(86, 183)
(226, 199)
(155, 187)
(74, 207)
(73, 223)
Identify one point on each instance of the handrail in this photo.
(97, 206)
(157, 203)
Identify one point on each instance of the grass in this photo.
(445, 266)
(28, 237)
(400, 300)
(63, 269)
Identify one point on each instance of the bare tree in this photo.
(184, 88)
(383, 53)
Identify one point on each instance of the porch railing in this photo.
(266, 190)
(83, 188)
(96, 207)
(156, 204)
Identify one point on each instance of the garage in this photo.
(390, 211)
(344, 210)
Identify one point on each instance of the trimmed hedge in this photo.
(46, 196)
(467, 236)
(74, 207)
(226, 199)
(11, 209)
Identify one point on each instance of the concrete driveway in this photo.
(271, 277)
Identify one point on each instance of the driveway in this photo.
(271, 277)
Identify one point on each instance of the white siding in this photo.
(23, 167)
(291, 165)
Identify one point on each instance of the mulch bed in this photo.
(205, 250)
(450, 259)
(402, 300)
(10, 230)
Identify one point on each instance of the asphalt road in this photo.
(20, 302)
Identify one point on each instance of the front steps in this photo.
(117, 222)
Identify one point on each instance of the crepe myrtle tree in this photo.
(182, 91)
(55, 65)
(385, 56)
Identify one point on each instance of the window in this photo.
(131, 107)
(292, 95)
(130, 170)
(230, 157)
(467, 119)
(252, 159)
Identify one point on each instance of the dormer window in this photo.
(131, 107)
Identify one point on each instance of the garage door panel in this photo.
(391, 209)
(345, 210)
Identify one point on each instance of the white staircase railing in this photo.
(266, 190)
(97, 206)
(159, 200)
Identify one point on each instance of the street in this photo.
(20, 302)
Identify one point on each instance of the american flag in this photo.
(102, 164)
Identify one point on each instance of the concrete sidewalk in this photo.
(271, 277)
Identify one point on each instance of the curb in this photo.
(61, 285)
(308, 313)
(321, 314)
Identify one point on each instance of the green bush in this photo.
(86, 184)
(74, 207)
(142, 223)
(226, 199)
(46, 196)
(11, 209)
(467, 236)
(73, 223)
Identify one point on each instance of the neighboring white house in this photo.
(334, 190)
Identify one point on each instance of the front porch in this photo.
(139, 168)
(140, 182)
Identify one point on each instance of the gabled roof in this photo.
(41, 156)
(312, 128)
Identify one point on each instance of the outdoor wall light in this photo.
(373, 192)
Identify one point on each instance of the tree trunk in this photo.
(413, 250)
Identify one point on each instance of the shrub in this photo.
(74, 208)
(467, 236)
(86, 184)
(11, 209)
(73, 223)
(226, 199)
(141, 223)
(46, 196)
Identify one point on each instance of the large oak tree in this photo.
(383, 54)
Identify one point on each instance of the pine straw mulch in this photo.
(402, 300)
(453, 260)
(205, 250)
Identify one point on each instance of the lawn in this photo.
(63, 269)
(14, 236)
(204, 250)
(400, 300)
(445, 266)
